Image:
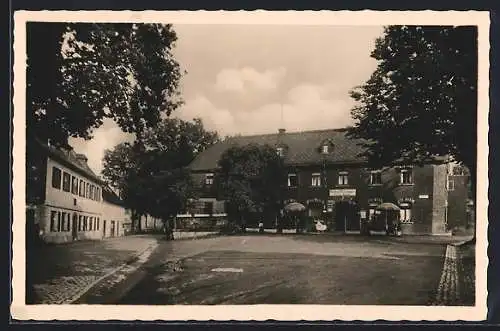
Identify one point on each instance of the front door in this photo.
(346, 216)
(74, 227)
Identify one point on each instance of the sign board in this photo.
(423, 196)
(362, 213)
(330, 210)
(348, 192)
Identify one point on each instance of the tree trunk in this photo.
(136, 220)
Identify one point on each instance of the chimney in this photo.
(82, 158)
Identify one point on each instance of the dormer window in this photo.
(326, 147)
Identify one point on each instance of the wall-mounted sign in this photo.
(362, 213)
(347, 192)
(423, 196)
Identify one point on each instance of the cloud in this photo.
(214, 118)
(238, 80)
(106, 137)
(307, 107)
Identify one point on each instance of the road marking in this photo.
(227, 270)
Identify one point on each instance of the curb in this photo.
(211, 235)
(133, 259)
(448, 291)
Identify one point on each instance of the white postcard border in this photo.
(21, 311)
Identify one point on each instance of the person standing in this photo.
(261, 227)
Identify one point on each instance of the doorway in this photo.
(347, 217)
(74, 227)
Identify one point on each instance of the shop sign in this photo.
(423, 196)
(343, 192)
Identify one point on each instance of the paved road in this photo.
(58, 273)
(290, 269)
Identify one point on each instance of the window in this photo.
(405, 213)
(406, 176)
(74, 185)
(85, 225)
(68, 222)
(209, 179)
(91, 223)
(280, 151)
(53, 220)
(87, 190)
(450, 185)
(343, 178)
(458, 170)
(80, 222)
(316, 179)
(60, 221)
(292, 180)
(66, 182)
(375, 178)
(98, 194)
(62, 225)
(81, 190)
(98, 221)
(56, 178)
(92, 192)
(324, 149)
(208, 207)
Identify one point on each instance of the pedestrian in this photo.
(261, 227)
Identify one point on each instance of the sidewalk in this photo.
(59, 274)
(457, 284)
(431, 239)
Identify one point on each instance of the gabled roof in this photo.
(69, 158)
(302, 148)
(109, 196)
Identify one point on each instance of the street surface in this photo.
(247, 269)
(289, 270)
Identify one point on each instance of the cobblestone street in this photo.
(59, 274)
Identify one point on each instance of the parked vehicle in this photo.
(320, 225)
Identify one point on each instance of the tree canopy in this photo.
(81, 73)
(251, 178)
(151, 174)
(421, 101)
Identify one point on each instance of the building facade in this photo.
(75, 203)
(326, 174)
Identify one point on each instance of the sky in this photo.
(251, 79)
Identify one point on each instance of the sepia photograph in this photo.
(328, 165)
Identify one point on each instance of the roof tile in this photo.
(302, 148)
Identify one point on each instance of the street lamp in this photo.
(325, 184)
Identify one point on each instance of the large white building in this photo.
(76, 204)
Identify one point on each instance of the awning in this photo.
(388, 206)
(295, 207)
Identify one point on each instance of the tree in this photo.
(251, 178)
(421, 101)
(78, 74)
(151, 174)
